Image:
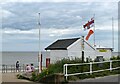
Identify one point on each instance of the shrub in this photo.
(58, 68)
(74, 78)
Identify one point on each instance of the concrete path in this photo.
(11, 77)
(112, 78)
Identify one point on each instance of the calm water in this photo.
(10, 58)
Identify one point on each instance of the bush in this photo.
(74, 78)
(19, 76)
(58, 68)
(115, 58)
(34, 77)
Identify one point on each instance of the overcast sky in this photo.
(58, 20)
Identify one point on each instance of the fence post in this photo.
(19, 69)
(64, 69)
(110, 65)
(3, 69)
(14, 68)
(90, 68)
(66, 72)
(11, 68)
(23, 67)
(6, 68)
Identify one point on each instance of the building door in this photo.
(47, 62)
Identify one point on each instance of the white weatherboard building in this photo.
(71, 48)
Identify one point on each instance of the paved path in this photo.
(11, 77)
(112, 78)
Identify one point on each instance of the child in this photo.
(28, 68)
(32, 67)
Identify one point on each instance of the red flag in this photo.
(89, 33)
(89, 24)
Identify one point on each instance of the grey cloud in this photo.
(55, 15)
(59, 14)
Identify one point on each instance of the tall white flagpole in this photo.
(39, 55)
(113, 33)
(94, 30)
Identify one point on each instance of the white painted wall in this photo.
(75, 49)
(57, 55)
(89, 52)
(107, 55)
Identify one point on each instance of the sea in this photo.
(10, 58)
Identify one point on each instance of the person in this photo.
(17, 66)
(32, 67)
(28, 69)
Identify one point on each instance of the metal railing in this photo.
(66, 74)
(12, 68)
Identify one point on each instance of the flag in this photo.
(89, 34)
(89, 24)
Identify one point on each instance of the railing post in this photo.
(66, 72)
(2, 68)
(11, 68)
(19, 69)
(14, 68)
(90, 68)
(6, 68)
(64, 69)
(110, 65)
(23, 68)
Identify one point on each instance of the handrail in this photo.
(12, 68)
(66, 74)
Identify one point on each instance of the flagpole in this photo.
(113, 33)
(94, 30)
(39, 55)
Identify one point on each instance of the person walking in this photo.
(17, 66)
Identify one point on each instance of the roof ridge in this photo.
(68, 38)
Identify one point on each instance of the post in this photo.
(66, 72)
(39, 55)
(94, 30)
(11, 68)
(6, 68)
(20, 69)
(23, 68)
(90, 68)
(2, 68)
(110, 65)
(41, 62)
(82, 44)
(64, 69)
(14, 69)
(112, 33)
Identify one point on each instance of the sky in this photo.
(58, 20)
